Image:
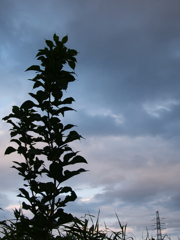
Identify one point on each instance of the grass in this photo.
(81, 229)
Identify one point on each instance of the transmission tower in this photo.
(158, 226)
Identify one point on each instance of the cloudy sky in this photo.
(127, 100)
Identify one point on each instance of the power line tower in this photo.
(158, 226)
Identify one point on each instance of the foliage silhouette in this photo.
(40, 134)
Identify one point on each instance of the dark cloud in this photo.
(145, 122)
(173, 201)
(127, 97)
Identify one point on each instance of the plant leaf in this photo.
(65, 39)
(49, 43)
(68, 100)
(72, 64)
(34, 68)
(27, 104)
(9, 150)
(78, 159)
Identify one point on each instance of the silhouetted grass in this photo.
(87, 229)
(81, 229)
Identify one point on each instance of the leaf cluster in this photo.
(39, 134)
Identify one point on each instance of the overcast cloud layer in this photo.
(127, 99)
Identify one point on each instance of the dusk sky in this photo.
(127, 97)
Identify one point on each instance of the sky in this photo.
(127, 97)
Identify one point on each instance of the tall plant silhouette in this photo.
(39, 134)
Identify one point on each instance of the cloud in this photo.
(127, 100)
